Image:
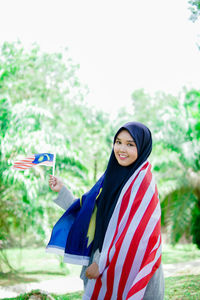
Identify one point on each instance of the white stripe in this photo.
(25, 158)
(89, 289)
(85, 297)
(104, 285)
(76, 259)
(139, 295)
(129, 235)
(68, 258)
(144, 272)
(55, 250)
(46, 163)
(157, 244)
(113, 223)
(23, 163)
(142, 247)
(148, 268)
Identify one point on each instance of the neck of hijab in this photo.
(116, 176)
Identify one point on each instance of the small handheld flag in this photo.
(45, 159)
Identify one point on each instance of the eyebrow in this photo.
(132, 141)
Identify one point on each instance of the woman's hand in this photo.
(55, 183)
(92, 272)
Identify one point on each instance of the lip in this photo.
(122, 157)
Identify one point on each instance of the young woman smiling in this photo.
(114, 229)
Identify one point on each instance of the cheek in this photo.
(115, 149)
(133, 154)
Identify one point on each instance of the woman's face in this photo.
(125, 149)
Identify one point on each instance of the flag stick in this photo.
(54, 163)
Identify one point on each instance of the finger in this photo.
(87, 274)
(51, 182)
(52, 177)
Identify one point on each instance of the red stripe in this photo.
(23, 165)
(152, 241)
(126, 198)
(135, 240)
(144, 281)
(27, 164)
(27, 158)
(22, 162)
(125, 202)
(150, 256)
(21, 168)
(97, 289)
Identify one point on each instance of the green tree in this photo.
(174, 122)
(195, 9)
(43, 110)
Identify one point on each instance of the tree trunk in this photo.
(95, 170)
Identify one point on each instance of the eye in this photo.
(131, 145)
(118, 142)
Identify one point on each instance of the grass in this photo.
(176, 288)
(185, 287)
(36, 265)
(42, 296)
(179, 253)
(71, 296)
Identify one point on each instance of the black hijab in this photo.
(116, 176)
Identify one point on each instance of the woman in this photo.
(115, 227)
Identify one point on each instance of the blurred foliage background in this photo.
(43, 109)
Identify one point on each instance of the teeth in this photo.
(122, 155)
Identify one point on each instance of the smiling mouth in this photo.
(121, 156)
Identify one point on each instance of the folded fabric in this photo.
(73, 234)
(131, 251)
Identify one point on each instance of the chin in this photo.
(123, 164)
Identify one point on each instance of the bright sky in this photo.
(120, 45)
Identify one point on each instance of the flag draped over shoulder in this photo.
(45, 159)
(73, 234)
(131, 250)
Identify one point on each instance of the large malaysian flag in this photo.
(132, 252)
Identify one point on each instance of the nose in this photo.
(122, 148)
